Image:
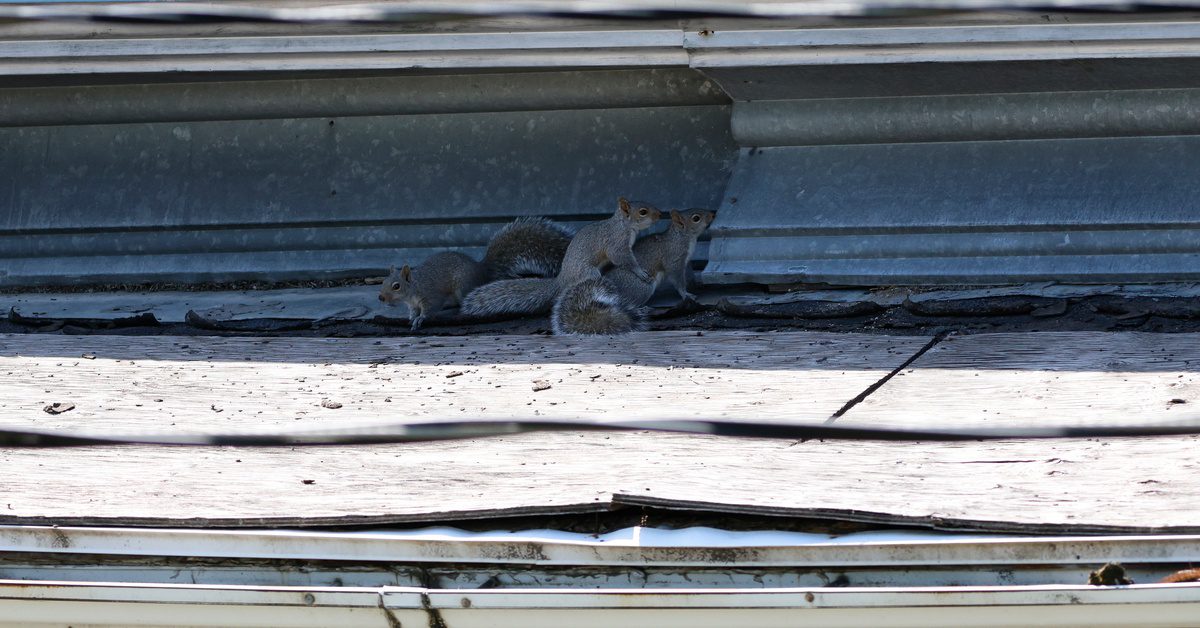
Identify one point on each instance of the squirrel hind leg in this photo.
(594, 307)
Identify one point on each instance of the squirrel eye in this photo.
(642, 211)
(695, 217)
(396, 286)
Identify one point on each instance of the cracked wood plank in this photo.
(1086, 486)
(1041, 379)
(153, 384)
(1078, 486)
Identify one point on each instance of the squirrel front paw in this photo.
(417, 322)
(641, 273)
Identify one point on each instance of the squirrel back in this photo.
(607, 242)
(442, 279)
(593, 247)
(594, 307)
(527, 247)
(664, 255)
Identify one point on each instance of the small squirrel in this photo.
(664, 255)
(595, 307)
(613, 305)
(593, 247)
(442, 279)
(525, 246)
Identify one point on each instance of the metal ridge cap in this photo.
(716, 58)
(964, 34)
(335, 44)
(515, 60)
(636, 48)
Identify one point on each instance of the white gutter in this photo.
(24, 603)
(635, 547)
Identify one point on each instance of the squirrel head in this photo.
(692, 221)
(642, 215)
(397, 285)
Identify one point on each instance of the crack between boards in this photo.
(933, 342)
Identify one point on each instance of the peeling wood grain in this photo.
(174, 384)
(1079, 486)
(1066, 378)
(1064, 487)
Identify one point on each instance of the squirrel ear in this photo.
(624, 205)
(392, 270)
(676, 217)
(406, 273)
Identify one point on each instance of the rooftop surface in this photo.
(237, 382)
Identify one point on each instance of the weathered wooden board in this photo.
(151, 384)
(1067, 378)
(1066, 487)
(1060, 486)
(359, 301)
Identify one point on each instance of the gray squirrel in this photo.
(523, 247)
(593, 247)
(613, 304)
(664, 255)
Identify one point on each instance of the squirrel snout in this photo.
(382, 299)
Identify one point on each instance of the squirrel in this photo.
(525, 246)
(613, 304)
(593, 247)
(442, 279)
(595, 307)
(665, 255)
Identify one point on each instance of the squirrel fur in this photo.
(442, 279)
(664, 255)
(526, 246)
(613, 304)
(595, 246)
(595, 307)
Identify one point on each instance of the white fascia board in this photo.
(694, 547)
(22, 603)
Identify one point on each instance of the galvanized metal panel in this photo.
(836, 80)
(175, 100)
(326, 197)
(1112, 209)
(967, 117)
(132, 178)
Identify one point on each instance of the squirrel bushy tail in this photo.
(594, 307)
(511, 296)
(527, 247)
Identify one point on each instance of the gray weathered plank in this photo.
(1060, 378)
(1148, 484)
(357, 302)
(1078, 486)
(233, 384)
